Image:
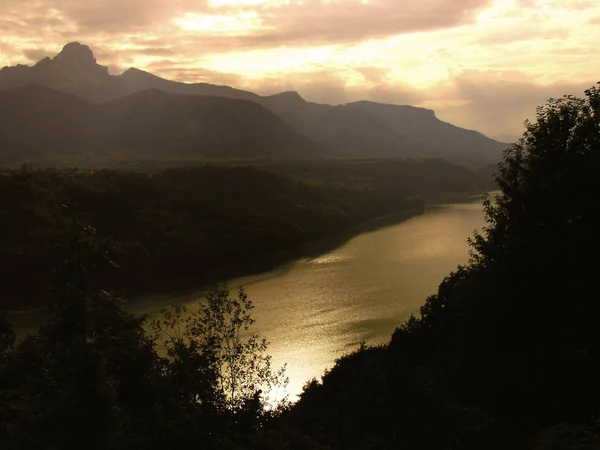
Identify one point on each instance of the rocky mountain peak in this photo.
(133, 74)
(77, 62)
(289, 96)
(76, 52)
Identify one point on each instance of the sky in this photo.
(480, 64)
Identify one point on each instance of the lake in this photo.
(314, 310)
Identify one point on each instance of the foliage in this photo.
(92, 377)
(217, 333)
(507, 353)
(394, 177)
(7, 335)
(570, 437)
(86, 378)
(518, 324)
(179, 227)
(368, 400)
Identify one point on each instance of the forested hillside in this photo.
(423, 178)
(177, 227)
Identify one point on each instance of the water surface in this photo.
(314, 310)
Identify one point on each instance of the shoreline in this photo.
(264, 263)
(27, 319)
(282, 258)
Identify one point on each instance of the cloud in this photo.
(156, 51)
(494, 103)
(297, 23)
(326, 86)
(317, 22)
(499, 103)
(8, 49)
(107, 15)
(126, 33)
(172, 71)
(36, 54)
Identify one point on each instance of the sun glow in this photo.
(216, 3)
(241, 23)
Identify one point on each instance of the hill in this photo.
(435, 137)
(175, 228)
(429, 179)
(37, 121)
(372, 130)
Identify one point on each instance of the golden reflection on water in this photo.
(315, 310)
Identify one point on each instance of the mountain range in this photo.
(36, 121)
(70, 103)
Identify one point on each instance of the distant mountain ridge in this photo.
(36, 121)
(75, 71)
(360, 129)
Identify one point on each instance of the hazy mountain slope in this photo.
(292, 108)
(369, 129)
(37, 121)
(134, 80)
(348, 131)
(157, 121)
(438, 138)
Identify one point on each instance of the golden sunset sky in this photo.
(480, 64)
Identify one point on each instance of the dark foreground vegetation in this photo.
(505, 356)
(168, 229)
(507, 353)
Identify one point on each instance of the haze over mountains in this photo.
(139, 113)
(38, 121)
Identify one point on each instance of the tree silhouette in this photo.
(518, 324)
(215, 341)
